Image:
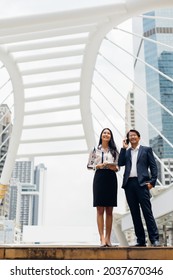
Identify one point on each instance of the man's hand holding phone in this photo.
(125, 143)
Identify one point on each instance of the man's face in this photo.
(134, 138)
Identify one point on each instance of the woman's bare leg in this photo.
(109, 219)
(100, 224)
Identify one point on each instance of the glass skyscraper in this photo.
(160, 57)
(159, 27)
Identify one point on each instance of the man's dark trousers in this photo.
(140, 195)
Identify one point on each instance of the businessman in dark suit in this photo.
(137, 182)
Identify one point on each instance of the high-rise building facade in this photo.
(156, 26)
(130, 112)
(160, 57)
(32, 184)
(40, 173)
(24, 200)
(24, 171)
(5, 131)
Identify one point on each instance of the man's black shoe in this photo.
(155, 243)
(139, 245)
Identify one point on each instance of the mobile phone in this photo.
(127, 141)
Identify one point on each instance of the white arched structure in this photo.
(33, 46)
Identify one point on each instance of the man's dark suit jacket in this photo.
(145, 161)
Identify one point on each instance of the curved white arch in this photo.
(18, 90)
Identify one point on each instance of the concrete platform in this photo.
(48, 252)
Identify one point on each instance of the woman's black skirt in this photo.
(105, 188)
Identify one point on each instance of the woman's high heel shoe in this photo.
(103, 244)
(108, 245)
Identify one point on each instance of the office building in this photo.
(40, 182)
(5, 132)
(23, 204)
(32, 184)
(160, 57)
(153, 26)
(130, 112)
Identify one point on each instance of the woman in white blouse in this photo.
(104, 160)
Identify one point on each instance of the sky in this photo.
(68, 193)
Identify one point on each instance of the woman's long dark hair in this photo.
(111, 144)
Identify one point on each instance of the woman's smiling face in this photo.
(106, 135)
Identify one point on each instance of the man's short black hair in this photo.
(133, 130)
